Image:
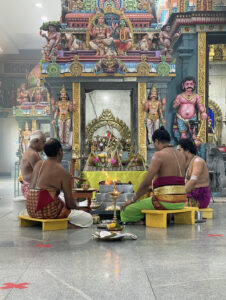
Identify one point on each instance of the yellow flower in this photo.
(111, 225)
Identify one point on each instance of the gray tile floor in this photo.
(181, 262)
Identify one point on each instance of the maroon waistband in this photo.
(168, 180)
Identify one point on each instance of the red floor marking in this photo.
(43, 246)
(212, 235)
(10, 285)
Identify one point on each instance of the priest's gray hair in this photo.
(37, 135)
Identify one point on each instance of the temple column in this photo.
(141, 120)
(76, 143)
(201, 90)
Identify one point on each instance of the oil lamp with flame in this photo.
(114, 195)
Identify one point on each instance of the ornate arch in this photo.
(107, 118)
(217, 119)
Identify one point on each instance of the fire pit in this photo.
(104, 195)
(125, 189)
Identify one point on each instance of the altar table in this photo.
(94, 177)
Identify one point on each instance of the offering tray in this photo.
(112, 236)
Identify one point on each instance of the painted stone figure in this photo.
(53, 40)
(74, 43)
(166, 39)
(23, 94)
(146, 43)
(186, 104)
(25, 137)
(124, 41)
(154, 109)
(100, 33)
(38, 92)
(62, 109)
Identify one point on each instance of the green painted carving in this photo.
(19, 112)
(130, 4)
(89, 4)
(53, 69)
(163, 69)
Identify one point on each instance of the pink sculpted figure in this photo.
(186, 103)
(166, 39)
(53, 40)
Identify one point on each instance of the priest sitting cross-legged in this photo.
(168, 168)
(197, 175)
(48, 179)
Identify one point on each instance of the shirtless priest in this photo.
(48, 179)
(30, 158)
(168, 168)
(197, 175)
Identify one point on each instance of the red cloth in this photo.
(44, 198)
(43, 204)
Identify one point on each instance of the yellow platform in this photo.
(158, 218)
(47, 224)
(207, 213)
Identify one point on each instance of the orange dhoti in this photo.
(121, 47)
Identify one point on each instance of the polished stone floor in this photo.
(181, 262)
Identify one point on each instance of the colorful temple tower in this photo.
(130, 45)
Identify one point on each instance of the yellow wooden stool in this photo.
(47, 224)
(158, 218)
(207, 213)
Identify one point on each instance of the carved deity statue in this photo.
(25, 137)
(124, 40)
(38, 92)
(22, 94)
(74, 43)
(100, 33)
(145, 44)
(186, 104)
(62, 109)
(154, 109)
(166, 39)
(75, 5)
(53, 40)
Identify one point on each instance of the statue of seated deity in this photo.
(23, 94)
(186, 104)
(100, 33)
(123, 42)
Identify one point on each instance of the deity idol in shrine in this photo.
(186, 104)
(62, 109)
(154, 109)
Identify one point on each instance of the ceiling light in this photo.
(38, 4)
(1, 50)
(44, 19)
